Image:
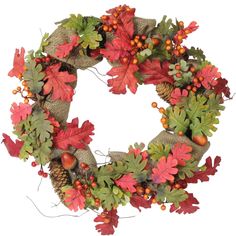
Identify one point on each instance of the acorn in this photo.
(68, 161)
(200, 139)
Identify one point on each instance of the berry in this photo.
(192, 69)
(139, 190)
(180, 37)
(168, 42)
(180, 133)
(178, 75)
(136, 40)
(30, 94)
(91, 178)
(177, 186)
(37, 60)
(105, 28)
(178, 67)
(143, 37)
(94, 185)
(168, 48)
(115, 14)
(139, 44)
(83, 165)
(77, 182)
(45, 175)
(114, 22)
(114, 27)
(97, 204)
(154, 200)
(85, 186)
(33, 164)
(104, 17)
(195, 80)
(48, 59)
(163, 207)
(194, 89)
(165, 126)
(88, 195)
(24, 83)
(14, 91)
(176, 52)
(182, 50)
(26, 101)
(40, 172)
(163, 120)
(201, 78)
(145, 196)
(154, 104)
(135, 61)
(155, 41)
(110, 28)
(18, 88)
(147, 190)
(162, 110)
(132, 43)
(189, 87)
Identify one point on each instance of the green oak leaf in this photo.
(196, 53)
(157, 151)
(204, 125)
(164, 193)
(42, 153)
(41, 125)
(34, 77)
(214, 104)
(177, 119)
(196, 106)
(189, 169)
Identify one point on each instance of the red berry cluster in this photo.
(41, 171)
(85, 185)
(45, 60)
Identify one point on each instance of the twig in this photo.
(40, 212)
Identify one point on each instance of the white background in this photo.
(119, 121)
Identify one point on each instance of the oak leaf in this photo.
(20, 112)
(74, 136)
(155, 73)
(127, 182)
(56, 83)
(164, 170)
(177, 94)
(107, 228)
(138, 201)
(74, 199)
(64, 49)
(123, 75)
(181, 152)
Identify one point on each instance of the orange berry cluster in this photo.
(25, 91)
(110, 22)
(177, 50)
(164, 120)
(196, 82)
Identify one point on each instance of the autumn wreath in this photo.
(140, 52)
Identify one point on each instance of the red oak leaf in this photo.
(13, 148)
(221, 87)
(164, 170)
(138, 201)
(74, 136)
(155, 72)
(112, 221)
(181, 152)
(203, 176)
(18, 64)
(123, 75)
(210, 74)
(126, 24)
(116, 49)
(56, 83)
(74, 199)
(177, 94)
(20, 112)
(127, 183)
(191, 27)
(187, 206)
(64, 49)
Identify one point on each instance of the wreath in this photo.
(140, 52)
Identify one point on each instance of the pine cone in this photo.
(59, 177)
(164, 90)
